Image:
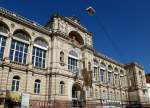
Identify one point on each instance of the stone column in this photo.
(7, 48)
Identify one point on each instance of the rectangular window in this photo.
(38, 57)
(37, 87)
(62, 89)
(18, 52)
(109, 77)
(102, 76)
(115, 78)
(122, 80)
(2, 45)
(15, 85)
(95, 72)
(72, 64)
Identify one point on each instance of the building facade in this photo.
(148, 84)
(57, 67)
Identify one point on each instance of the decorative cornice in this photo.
(70, 21)
(13, 16)
(107, 58)
(135, 64)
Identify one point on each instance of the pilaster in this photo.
(30, 50)
(7, 48)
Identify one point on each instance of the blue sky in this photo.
(127, 23)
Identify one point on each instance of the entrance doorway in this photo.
(78, 96)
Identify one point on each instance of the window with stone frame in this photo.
(37, 86)
(73, 61)
(3, 30)
(19, 48)
(38, 57)
(2, 45)
(62, 88)
(62, 58)
(95, 72)
(102, 72)
(18, 52)
(110, 75)
(102, 75)
(15, 83)
(115, 78)
(39, 53)
(122, 80)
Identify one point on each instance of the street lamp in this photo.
(91, 11)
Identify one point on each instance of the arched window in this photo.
(37, 85)
(18, 51)
(4, 28)
(39, 53)
(15, 83)
(62, 58)
(62, 88)
(73, 61)
(102, 72)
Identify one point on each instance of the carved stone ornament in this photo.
(12, 25)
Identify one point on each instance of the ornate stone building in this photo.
(57, 67)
